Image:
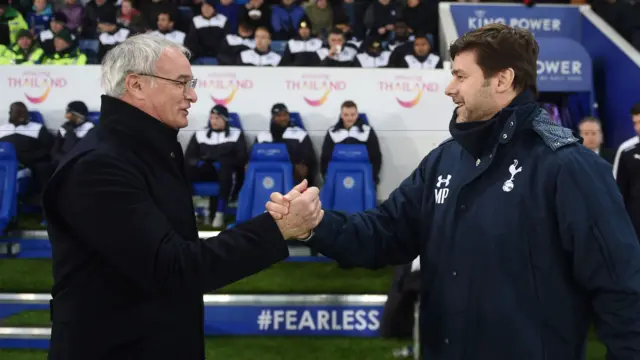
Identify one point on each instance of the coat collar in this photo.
(119, 116)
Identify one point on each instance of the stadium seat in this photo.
(205, 60)
(349, 185)
(269, 170)
(278, 46)
(90, 47)
(94, 116)
(8, 180)
(186, 13)
(364, 118)
(234, 120)
(36, 116)
(296, 119)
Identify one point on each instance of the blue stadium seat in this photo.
(278, 46)
(186, 13)
(234, 120)
(90, 47)
(36, 116)
(364, 118)
(94, 116)
(208, 188)
(269, 170)
(8, 171)
(349, 185)
(205, 60)
(296, 119)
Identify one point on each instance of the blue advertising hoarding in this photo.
(541, 20)
(563, 66)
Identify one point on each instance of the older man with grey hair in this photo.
(129, 268)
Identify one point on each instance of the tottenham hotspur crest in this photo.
(508, 185)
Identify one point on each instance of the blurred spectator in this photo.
(24, 52)
(622, 15)
(351, 129)
(66, 51)
(591, 132)
(207, 32)
(39, 16)
(233, 44)
(629, 143)
(74, 13)
(11, 22)
(345, 28)
(56, 25)
(111, 34)
(422, 56)
(72, 131)
(130, 18)
(373, 55)
(93, 11)
(152, 9)
(285, 18)
(416, 16)
(216, 154)
(257, 14)
(401, 45)
(380, 18)
(262, 54)
(6, 55)
(337, 55)
(165, 25)
(628, 171)
(298, 143)
(31, 140)
(231, 10)
(302, 49)
(320, 15)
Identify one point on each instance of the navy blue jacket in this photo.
(521, 248)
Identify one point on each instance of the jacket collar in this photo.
(119, 116)
(478, 137)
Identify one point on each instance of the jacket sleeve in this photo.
(56, 151)
(109, 206)
(623, 179)
(43, 151)
(375, 155)
(308, 155)
(192, 153)
(327, 153)
(387, 235)
(600, 239)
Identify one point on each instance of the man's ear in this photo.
(133, 84)
(505, 80)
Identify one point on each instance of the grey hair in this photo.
(137, 54)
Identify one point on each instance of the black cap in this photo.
(59, 17)
(4, 3)
(65, 35)
(278, 108)
(78, 108)
(304, 22)
(221, 111)
(107, 18)
(24, 33)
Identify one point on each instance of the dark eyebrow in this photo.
(457, 72)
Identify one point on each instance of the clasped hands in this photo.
(298, 212)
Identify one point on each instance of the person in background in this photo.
(111, 34)
(257, 14)
(216, 154)
(421, 57)
(74, 13)
(299, 146)
(635, 119)
(130, 17)
(627, 170)
(231, 10)
(24, 52)
(590, 130)
(11, 22)
(66, 51)
(32, 141)
(206, 32)
(72, 131)
(40, 15)
(166, 29)
(380, 18)
(302, 49)
(285, 18)
(320, 17)
(93, 11)
(233, 44)
(337, 54)
(373, 56)
(351, 129)
(56, 25)
(262, 55)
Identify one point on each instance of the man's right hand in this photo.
(298, 212)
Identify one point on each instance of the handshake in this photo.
(298, 212)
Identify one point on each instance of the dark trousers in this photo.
(398, 314)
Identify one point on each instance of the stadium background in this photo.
(408, 129)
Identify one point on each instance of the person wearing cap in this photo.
(351, 129)
(299, 146)
(56, 25)
(72, 131)
(32, 141)
(24, 52)
(11, 22)
(232, 45)
(302, 49)
(111, 34)
(337, 54)
(215, 154)
(373, 56)
(421, 57)
(66, 51)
